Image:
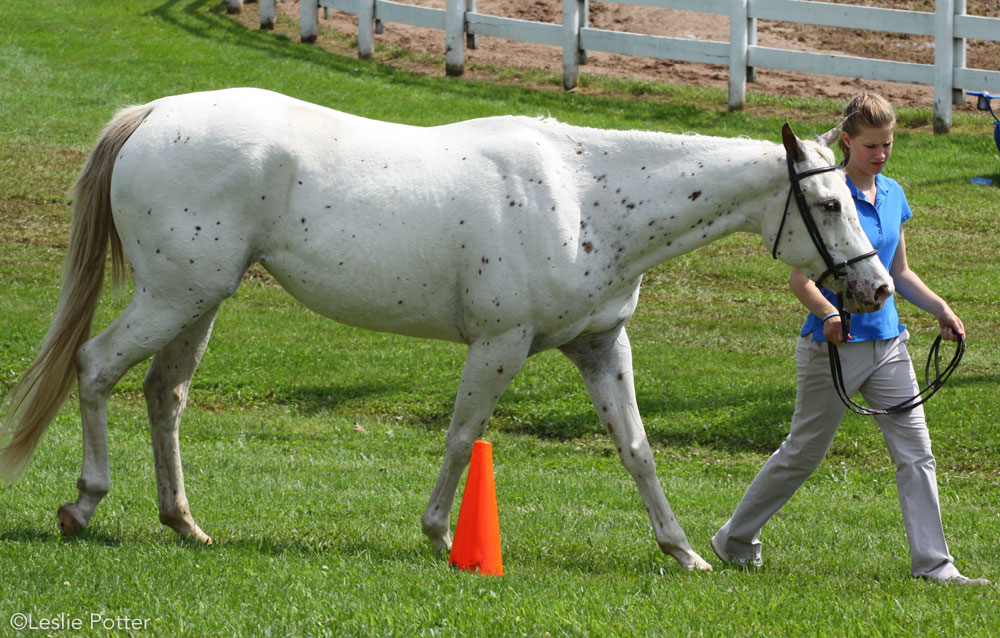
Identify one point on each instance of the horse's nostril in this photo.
(882, 293)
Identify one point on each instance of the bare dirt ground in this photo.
(497, 52)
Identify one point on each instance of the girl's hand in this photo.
(951, 326)
(833, 330)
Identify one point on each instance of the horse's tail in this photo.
(38, 395)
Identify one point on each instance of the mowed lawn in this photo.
(310, 448)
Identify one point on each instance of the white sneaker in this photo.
(961, 580)
(754, 561)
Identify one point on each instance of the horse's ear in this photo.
(830, 138)
(791, 143)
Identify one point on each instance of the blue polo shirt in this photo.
(882, 223)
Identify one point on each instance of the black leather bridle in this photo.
(839, 270)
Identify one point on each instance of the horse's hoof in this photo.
(691, 561)
(196, 534)
(687, 557)
(186, 528)
(70, 522)
(698, 564)
(441, 543)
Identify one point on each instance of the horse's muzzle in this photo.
(865, 295)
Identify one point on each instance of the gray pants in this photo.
(882, 371)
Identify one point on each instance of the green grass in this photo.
(316, 523)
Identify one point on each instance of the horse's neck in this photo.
(665, 195)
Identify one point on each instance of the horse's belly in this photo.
(411, 302)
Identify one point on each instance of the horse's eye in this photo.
(831, 206)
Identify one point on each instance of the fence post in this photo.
(234, 6)
(739, 26)
(454, 38)
(751, 42)
(471, 40)
(958, 95)
(944, 63)
(584, 22)
(308, 20)
(571, 43)
(268, 11)
(366, 29)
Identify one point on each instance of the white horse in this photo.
(512, 235)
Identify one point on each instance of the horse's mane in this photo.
(640, 139)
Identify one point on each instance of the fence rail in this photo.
(947, 25)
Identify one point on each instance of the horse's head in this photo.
(818, 229)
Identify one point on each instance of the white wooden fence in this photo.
(947, 25)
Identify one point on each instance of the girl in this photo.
(875, 361)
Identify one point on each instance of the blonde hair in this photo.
(865, 110)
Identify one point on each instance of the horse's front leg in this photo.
(166, 388)
(605, 362)
(490, 365)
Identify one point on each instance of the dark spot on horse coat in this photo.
(695, 195)
(588, 247)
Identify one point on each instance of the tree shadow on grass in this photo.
(36, 536)
(418, 550)
(205, 19)
(27, 535)
(726, 420)
(313, 400)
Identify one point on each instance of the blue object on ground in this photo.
(983, 104)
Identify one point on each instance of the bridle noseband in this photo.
(839, 270)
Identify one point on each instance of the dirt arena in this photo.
(497, 52)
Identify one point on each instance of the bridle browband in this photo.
(839, 270)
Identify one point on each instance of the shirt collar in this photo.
(880, 187)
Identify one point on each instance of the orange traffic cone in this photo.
(477, 533)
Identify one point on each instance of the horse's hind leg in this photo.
(605, 362)
(166, 387)
(145, 327)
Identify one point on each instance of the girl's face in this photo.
(870, 150)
